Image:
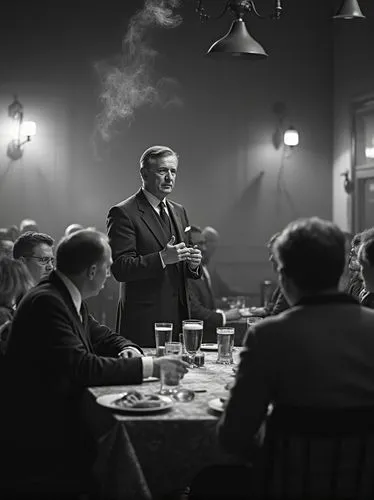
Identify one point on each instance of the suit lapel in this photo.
(149, 218)
(176, 220)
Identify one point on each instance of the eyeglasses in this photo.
(43, 260)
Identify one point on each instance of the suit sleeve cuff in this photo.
(147, 366)
(223, 316)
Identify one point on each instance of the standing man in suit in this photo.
(58, 349)
(149, 237)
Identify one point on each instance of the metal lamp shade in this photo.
(350, 9)
(237, 43)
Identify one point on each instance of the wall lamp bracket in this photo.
(24, 130)
(348, 182)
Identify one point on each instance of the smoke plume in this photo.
(128, 82)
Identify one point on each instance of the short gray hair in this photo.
(152, 154)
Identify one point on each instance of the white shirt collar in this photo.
(153, 200)
(75, 294)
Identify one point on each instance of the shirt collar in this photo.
(153, 200)
(75, 294)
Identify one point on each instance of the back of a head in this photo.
(367, 252)
(72, 228)
(153, 153)
(80, 250)
(15, 280)
(28, 225)
(210, 234)
(311, 252)
(367, 234)
(26, 242)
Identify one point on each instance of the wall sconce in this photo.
(25, 130)
(283, 136)
(348, 182)
(291, 137)
(238, 42)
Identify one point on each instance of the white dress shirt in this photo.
(76, 297)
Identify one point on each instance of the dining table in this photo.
(146, 455)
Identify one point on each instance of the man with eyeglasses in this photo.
(36, 251)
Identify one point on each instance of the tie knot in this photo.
(162, 205)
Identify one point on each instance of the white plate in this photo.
(107, 400)
(216, 404)
(209, 347)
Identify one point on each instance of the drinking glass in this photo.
(163, 334)
(192, 336)
(225, 342)
(170, 385)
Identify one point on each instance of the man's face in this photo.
(367, 271)
(199, 240)
(353, 263)
(41, 262)
(102, 272)
(159, 177)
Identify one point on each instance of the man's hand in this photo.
(174, 368)
(194, 259)
(232, 314)
(174, 253)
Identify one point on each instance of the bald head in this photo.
(211, 237)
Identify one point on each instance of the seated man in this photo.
(72, 228)
(203, 304)
(319, 353)
(366, 262)
(35, 250)
(58, 349)
(219, 287)
(278, 302)
(28, 225)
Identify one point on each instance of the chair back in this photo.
(315, 454)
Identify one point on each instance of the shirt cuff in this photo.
(162, 261)
(223, 316)
(130, 348)
(147, 366)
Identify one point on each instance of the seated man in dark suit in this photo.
(56, 350)
(219, 287)
(318, 354)
(203, 305)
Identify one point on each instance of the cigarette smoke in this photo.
(128, 82)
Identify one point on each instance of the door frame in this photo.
(359, 172)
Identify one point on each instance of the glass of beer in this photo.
(163, 334)
(192, 336)
(225, 342)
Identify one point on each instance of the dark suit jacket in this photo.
(319, 353)
(203, 307)
(149, 292)
(51, 358)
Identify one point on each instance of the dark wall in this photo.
(218, 117)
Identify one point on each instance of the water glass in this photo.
(163, 334)
(225, 343)
(169, 384)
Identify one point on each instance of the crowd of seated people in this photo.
(27, 260)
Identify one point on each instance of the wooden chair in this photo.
(317, 454)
